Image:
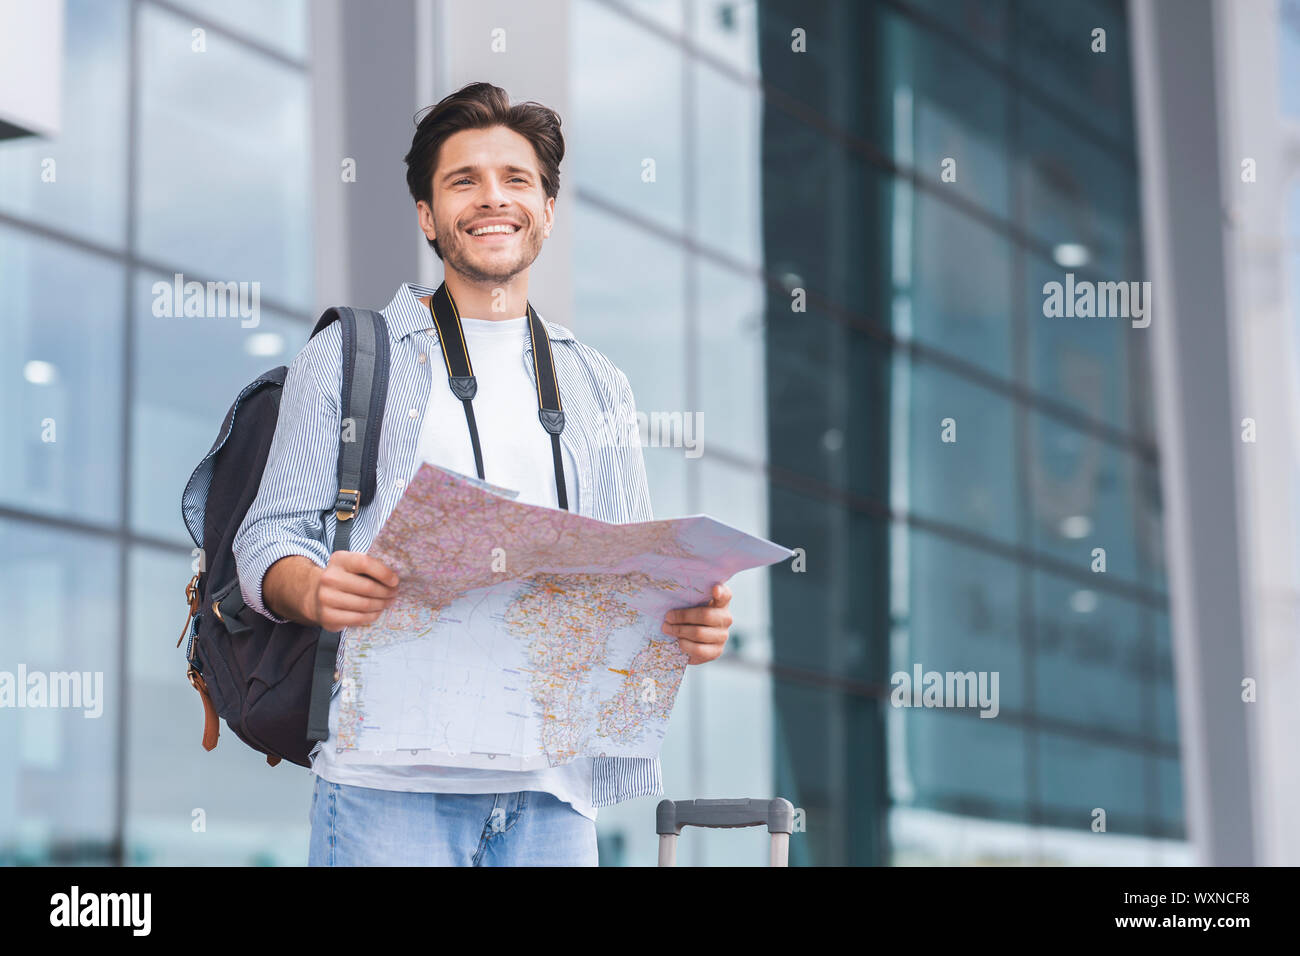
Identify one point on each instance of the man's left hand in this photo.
(701, 631)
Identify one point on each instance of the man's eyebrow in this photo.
(462, 170)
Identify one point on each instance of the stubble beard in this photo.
(458, 256)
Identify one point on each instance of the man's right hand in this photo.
(353, 589)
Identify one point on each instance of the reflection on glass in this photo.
(1089, 656)
(827, 218)
(1079, 361)
(224, 192)
(1081, 498)
(962, 616)
(61, 440)
(961, 453)
(171, 775)
(1076, 776)
(959, 762)
(728, 118)
(626, 138)
(281, 24)
(1077, 197)
(728, 30)
(630, 304)
(1058, 53)
(731, 365)
(739, 498)
(59, 764)
(736, 755)
(826, 401)
(946, 115)
(189, 371)
(74, 182)
(959, 286)
(981, 23)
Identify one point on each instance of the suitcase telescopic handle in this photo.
(776, 814)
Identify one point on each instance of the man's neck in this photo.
(507, 300)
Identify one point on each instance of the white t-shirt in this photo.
(517, 455)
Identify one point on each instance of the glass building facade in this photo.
(850, 215)
(816, 235)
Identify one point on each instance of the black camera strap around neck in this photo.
(460, 376)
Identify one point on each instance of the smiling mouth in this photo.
(495, 234)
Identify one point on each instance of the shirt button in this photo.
(430, 333)
(398, 483)
(422, 358)
(414, 413)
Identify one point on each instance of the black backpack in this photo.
(271, 682)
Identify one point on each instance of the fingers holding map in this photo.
(523, 636)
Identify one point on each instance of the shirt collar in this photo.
(406, 314)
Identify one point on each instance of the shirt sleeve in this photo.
(634, 474)
(299, 482)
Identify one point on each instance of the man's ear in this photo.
(424, 215)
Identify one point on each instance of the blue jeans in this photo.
(360, 826)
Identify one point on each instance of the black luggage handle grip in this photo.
(777, 814)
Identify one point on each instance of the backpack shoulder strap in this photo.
(361, 406)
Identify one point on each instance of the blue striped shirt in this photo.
(293, 512)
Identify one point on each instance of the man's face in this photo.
(487, 176)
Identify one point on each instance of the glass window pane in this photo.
(1081, 497)
(58, 765)
(188, 806)
(827, 220)
(1054, 54)
(728, 30)
(956, 293)
(739, 497)
(732, 363)
(727, 165)
(1076, 776)
(626, 141)
(61, 441)
(944, 106)
(224, 192)
(958, 762)
(736, 756)
(630, 304)
(827, 618)
(83, 191)
(827, 401)
(982, 23)
(190, 370)
(974, 629)
(281, 24)
(1077, 197)
(1080, 362)
(970, 481)
(1089, 656)
(1170, 776)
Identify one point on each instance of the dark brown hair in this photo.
(481, 106)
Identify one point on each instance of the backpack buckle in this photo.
(352, 506)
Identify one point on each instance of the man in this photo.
(484, 176)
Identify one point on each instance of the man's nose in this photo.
(493, 194)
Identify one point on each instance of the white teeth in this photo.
(483, 231)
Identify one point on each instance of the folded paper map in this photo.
(524, 636)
